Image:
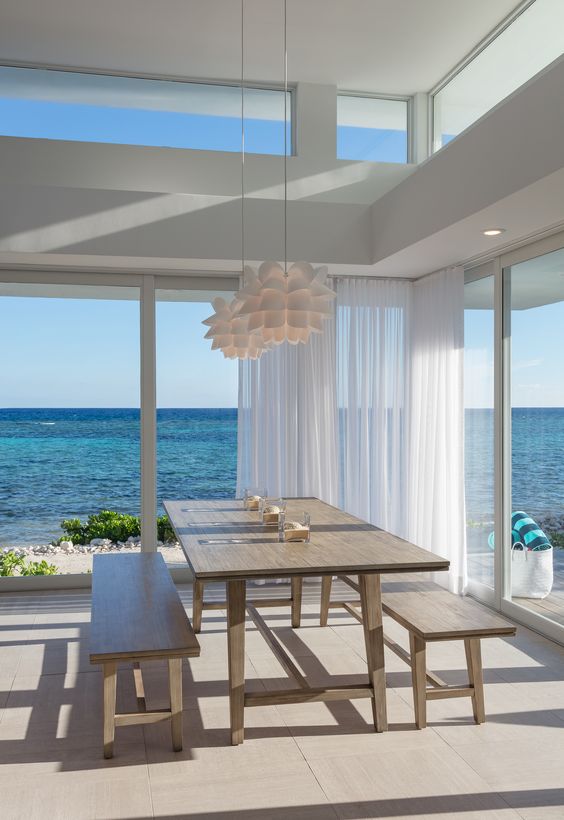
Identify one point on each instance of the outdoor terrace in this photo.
(298, 761)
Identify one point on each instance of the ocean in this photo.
(65, 463)
(537, 470)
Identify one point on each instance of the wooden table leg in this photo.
(371, 601)
(236, 657)
(110, 689)
(326, 584)
(175, 686)
(476, 678)
(417, 650)
(297, 584)
(197, 605)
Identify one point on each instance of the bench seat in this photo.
(137, 615)
(430, 613)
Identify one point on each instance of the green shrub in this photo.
(38, 568)
(165, 532)
(105, 524)
(10, 562)
(556, 539)
(113, 525)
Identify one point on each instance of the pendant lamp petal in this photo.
(229, 332)
(285, 307)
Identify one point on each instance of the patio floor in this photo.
(298, 762)
(480, 568)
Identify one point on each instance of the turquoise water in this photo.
(63, 463)
(537, 461)
(57, 464)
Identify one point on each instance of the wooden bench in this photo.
(137, 615)
(431, 613)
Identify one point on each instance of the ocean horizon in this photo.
(58, 463)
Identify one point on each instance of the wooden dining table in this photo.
(222, 541)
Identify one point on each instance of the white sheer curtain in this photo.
(436, 462)
(369, 415)
(287, 431)
(373, 320)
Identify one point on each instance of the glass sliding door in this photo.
(534, 555)
(196, 407)
(69, 424)
(479, 430)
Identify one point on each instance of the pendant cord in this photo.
(285, 140)
(242, 142)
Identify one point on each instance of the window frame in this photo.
(372, 95)
(173, 78)
(459, 67)
(147, 282)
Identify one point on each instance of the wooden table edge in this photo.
(96, 657)
(315, 572)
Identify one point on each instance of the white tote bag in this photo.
(531, 573)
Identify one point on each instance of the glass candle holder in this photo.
(294, 530)
(252, 498)
(271, 509)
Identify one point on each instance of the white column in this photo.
(148, 417)
(420, 128)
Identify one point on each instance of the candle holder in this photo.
(295, 530)
(271, 509)
(252, 498)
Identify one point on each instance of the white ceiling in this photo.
(388, 46)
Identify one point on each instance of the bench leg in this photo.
(419, 679)
(110, 689)
(475, 677)
(326, 584)
(175, 685)
(371, 602)
(197, 605)
(296, 584)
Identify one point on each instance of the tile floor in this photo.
(298, 761)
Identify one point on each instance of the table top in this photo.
(223, 541)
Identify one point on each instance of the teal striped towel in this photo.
(525, 534)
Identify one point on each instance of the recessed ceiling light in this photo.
(493, 231)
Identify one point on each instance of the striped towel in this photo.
(524, 530)
(525, 534)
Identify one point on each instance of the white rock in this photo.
(66, 545)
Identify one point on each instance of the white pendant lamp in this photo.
(275, 304)
(229, 332)
(284, 304)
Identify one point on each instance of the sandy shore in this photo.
(78, 562)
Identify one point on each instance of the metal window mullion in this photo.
(148, 417)
(502, 434)
(498, 433)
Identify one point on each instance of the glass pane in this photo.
(69, 422)
(528, 45)
(479, 428)
(66, 105)
(371, 129)
(537, 435)
(197, 409)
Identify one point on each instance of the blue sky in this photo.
(133, 126)
(537, 342)
(85, 353)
